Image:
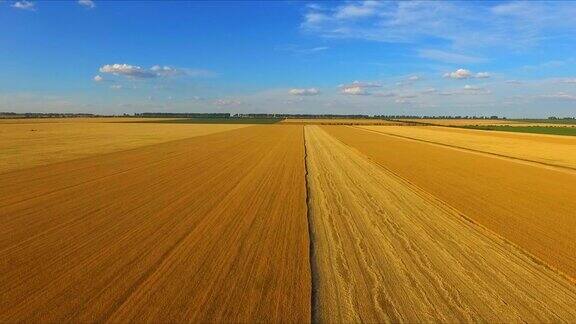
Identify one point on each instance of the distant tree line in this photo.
(563, 118)
(436, 117)
(44, 115)
(181, 115)
(249, 115)
(321, 116)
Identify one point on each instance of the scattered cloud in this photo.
(568, 81)
(314, 6)
(87, 3)
(98, 78)
(409, 80)
(385, 94)
(116, 87)
(227, 102)
(513, 82)
(355, 91)
(302, 50)
(358, 88)
(475, 90)
(361, 84)
(132, 71)
(156, 71)
(482, 75)
(560, 96)
(466, 74)
(553, 64)
(458, 74)
(357, 10)
(461, 25)
(449, 57)
(164, 71)
(402, 101)
(429, 91)
(472, 88)
(304, 92)
(24, 5)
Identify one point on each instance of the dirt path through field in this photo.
(211, 228)
(389, 252)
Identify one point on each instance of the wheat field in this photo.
(389, 252)
(210, 228)
(141, 222)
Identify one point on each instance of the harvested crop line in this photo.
(552, 166)
(530, 206)
(389, 252)
(217, 232)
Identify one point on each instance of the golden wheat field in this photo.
(31, 142)
(415, 258)
(546, 149)
(291, 222)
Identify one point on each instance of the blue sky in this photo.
(507, 58)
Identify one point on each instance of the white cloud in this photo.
(227, 102)
(116, 87)
(302, 50)
(164, 71)
(361, 84)
(513, 81)
(98, 78)
(472, 88)
(560, 96)
(414, 78)
(156, 71)
(358, 10)
(384, 94)
(127, 70)
(24, 5)
(466, 74)
(87, 3)
(315, 18)
(449, 57)
(403, 101)
(429, 91)
(358, 87)
(314, 6)
(568, 81)
(459, 74)
(304, 92)
(462, 25)
(356, 91)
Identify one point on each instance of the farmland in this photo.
(569, 130)
(550, 150)
(530, 205)
(403, 240)
(32, 142)
(460, 122)
(150, 220)
(182, 231)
